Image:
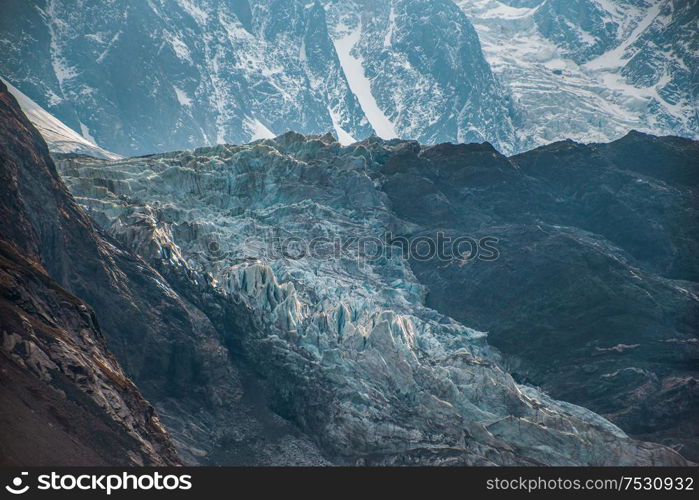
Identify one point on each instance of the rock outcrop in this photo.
(594, 294)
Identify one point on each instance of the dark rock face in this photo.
(65, 399)
(593, 296)
(167, 345)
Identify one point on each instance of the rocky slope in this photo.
(60, 382)
(359, 350)
(65, 399)
(594, 294)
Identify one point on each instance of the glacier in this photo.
(582, 70)
(347, 345)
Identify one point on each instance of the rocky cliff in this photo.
(593, 296)
(65, 399)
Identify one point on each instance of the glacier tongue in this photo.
(347, 344)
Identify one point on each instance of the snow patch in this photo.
(391, 28)
(303, 57)
(502, 11)
(104, 53)
(257, 129)
(198, 14)
(85, 132)
(180, 48)
(615, 58)
(182, 96)
(342, 135)
(361, 86)
(59, 137)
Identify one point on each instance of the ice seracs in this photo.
(348, 347)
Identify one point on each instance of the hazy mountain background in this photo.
(139, 77)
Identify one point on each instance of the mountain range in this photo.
(362, 232)
(150, 306)
(146, 77)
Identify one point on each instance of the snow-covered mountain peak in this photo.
(159, 75)
(593, 69)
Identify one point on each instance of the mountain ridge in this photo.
(515, 74)
(60, 383)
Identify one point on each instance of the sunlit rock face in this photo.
(343, 341)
